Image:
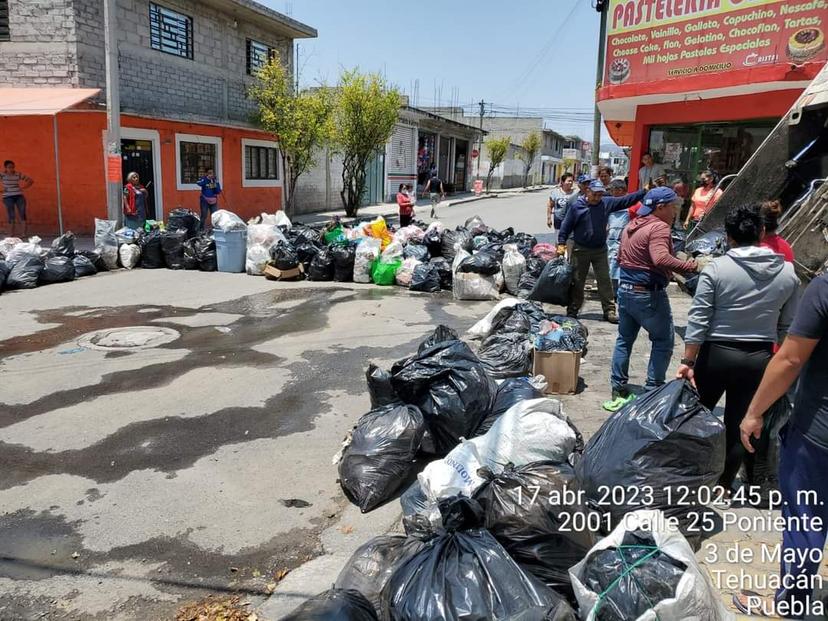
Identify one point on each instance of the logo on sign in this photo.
(753, 59)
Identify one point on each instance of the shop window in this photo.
(171, 32)
(196, 155)
(258, 54)
(5, 35)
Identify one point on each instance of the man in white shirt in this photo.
(650, 174)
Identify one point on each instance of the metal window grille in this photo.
(171, 32)
(5, 35)
(261, 163)
(196, 159)
(257, 56)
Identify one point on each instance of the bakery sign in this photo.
(654, 40)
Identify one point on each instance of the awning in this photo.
(41, 101)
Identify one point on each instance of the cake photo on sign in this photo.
(805, 43)
(619, 71)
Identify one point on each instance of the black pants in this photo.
(405, 220)
(733, 369)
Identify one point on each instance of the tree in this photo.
(497, 148)
(364, 116)
(531, 147)
(569, 166)
(300, 121)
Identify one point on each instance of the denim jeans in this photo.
(649, 310)
(207, 210)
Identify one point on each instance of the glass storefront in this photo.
(687, 150)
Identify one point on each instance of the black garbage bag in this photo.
(370, 567)
(713, 243)
(379, 387)
(441, 334)
(526, 284)
(691, 284)
(665, 440)
(538, 535)
(334, 605)
(679, 239)
(445, 272)
(381, 454)
(64, 246)
(172, 245)
(57, 269)
(25, 274)
(322, 266)
(284, 256)
(307, 252)
(452, 238)
(416, 251)
(524, 317)
(509, 392)
(475, 226)
(415, 505)
(83, 266)
(462, 573)
(305, 235)
(763, 472)
(94, 256)
(152, 254)
(190, 259)
(205, 252)
(554, 283)
(524, 243)
(450, 386)
(632, 578)
(5, 268)
(184, 220)
(480, 262)
(343, 258)
(506, 354)
(494, 248)
(426, 278)
(433, 243)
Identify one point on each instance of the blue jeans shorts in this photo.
(12, 202)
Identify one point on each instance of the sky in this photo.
(534, 55)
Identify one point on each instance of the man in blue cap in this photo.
(586, 222)
(647, 264)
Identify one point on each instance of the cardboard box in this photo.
(273, 273)
(561, 370)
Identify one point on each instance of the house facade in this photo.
(184, 69)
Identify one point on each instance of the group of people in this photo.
(407, 197)
(748, 336)
(135, 196)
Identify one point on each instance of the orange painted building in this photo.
(701, 84)
(29, 141)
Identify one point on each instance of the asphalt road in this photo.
(133, 480)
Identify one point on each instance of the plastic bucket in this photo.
(231, 250)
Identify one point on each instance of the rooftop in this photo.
(249, 10)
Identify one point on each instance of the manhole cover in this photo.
(129, 338)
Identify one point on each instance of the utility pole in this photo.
(482, 105)
(113, 114)
(602, 42)
(296, 68)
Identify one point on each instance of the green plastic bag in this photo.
(385, 273)
(335, 235)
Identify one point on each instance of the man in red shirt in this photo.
(647, 263)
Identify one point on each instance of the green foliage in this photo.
(531, 147)
(497, 148)
(364, 116)
(300, 121)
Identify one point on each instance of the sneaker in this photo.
(616, 403)
(611, 316)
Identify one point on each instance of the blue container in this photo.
(231, 250)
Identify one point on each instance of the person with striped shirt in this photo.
(14, 183)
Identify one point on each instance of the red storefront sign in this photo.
(660, 46)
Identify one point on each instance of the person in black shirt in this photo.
(803, 456)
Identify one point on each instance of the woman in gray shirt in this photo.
(744, 304)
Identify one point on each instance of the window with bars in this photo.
(261, 163)
(196, 159)
(257, 55)
(5, 34)
(171, 32)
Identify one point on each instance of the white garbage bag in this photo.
(129, 254)
(513, 265)
(532, 430)
(483, 328)
(276, 219)
(24, 249)
(105, 233)
(224, 220)
(406, 234)
(695, 598)
(470, 286)
(7, 244)
(406, 271)
(260, 239)
(367, 252)
(392, 252)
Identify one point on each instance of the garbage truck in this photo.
(791, 166)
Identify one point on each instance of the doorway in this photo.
(137, 156)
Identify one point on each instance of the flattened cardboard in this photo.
(273, 273)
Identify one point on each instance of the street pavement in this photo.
(133, 480)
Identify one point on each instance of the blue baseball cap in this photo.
(654, 198)
(584, 179)
(596, 186)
